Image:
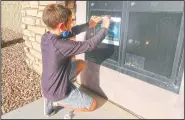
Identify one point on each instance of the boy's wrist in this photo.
(88, 24)
(105, 28)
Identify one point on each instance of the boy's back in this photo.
(55, 69)
(57, 50)
(56, 55)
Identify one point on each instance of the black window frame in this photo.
(171, 84)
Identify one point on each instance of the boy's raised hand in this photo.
(106, 22)
(94, 21)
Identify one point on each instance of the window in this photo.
(108, 50)
(152, 40)
(145, 40)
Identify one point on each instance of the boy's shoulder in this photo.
(48, 36)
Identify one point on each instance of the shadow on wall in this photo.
(90, 76)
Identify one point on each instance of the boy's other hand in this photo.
(106, 22)
(94, 21)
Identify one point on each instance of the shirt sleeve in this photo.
(69, 47)
(78, 29)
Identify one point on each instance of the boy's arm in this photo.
(84, 27)
(70, 47)
(79, 28)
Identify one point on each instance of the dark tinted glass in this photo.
(152, 40)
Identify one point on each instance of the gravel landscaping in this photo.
(9, 35)
(20, 85)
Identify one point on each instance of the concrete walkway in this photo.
(105, 110)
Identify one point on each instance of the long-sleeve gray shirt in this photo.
(56, 59)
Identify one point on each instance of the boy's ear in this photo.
(61, 26)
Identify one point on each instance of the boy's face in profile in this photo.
(68, 25)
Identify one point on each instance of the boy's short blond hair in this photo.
(54, 14)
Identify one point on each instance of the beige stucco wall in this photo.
(142, 98)
(11, 15)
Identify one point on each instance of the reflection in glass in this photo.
(152, 40)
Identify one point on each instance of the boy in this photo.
(58, 68)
